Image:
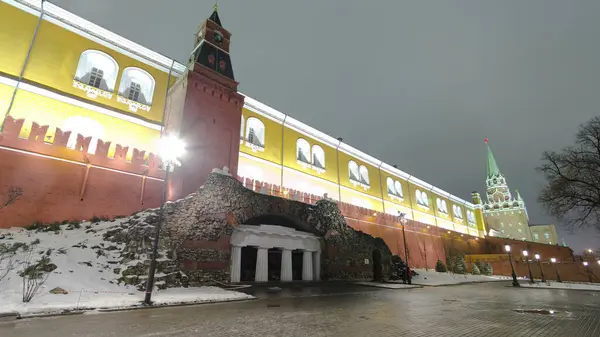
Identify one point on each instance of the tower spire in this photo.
(492, 167)
(214, 17)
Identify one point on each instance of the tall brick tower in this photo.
(205, 110)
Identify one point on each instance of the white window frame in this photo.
(94, 59)
(458, 213)
(317, 150)
(143, 79)
(302, 146)
(358, 180)
(250, 124)
(441, 206)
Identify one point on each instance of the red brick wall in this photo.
(210, 127)
(53, 178)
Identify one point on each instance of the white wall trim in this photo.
(91, 31)
(271, 236)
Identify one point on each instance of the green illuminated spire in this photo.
(492, 167)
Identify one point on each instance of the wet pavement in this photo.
(490, 309)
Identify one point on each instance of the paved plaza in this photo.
(347, 310)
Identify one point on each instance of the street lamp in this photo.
(403, 221)
(537, 257)
(553, 260)
(525, 253)
(586, 265)
(515, 283)
(170, 150)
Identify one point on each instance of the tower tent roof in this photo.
(214, 17)
(492, 167)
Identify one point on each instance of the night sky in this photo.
(419, 84)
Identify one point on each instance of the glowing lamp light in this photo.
(525, 253)
(507, 248)
(171, 149)
(553, 260)
(589, 251)
(585, 263)
(537, 256)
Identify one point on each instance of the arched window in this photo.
(470, 216)
(547, 235)
(536, 236)
(86, 127)
(255, 132)
(353, 171)
(318, 157)
(364, 175)
(457, 212)
(422, 198)
(137, 85)
(391, 189)
(302, 151)
(398, 188)
(242, 128)
(97, 69)
(441, 206)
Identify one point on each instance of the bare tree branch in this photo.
(572, 191)
(14, 193)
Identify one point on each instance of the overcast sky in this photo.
(419, 84)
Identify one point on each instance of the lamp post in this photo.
(170, 149)
(525, 253)
(403, 221)
(587, 266)
(515, 283)
(553, 260)
(537, 257)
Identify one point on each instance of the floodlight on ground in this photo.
(507, 248)
(537, 256)
(553, 260)
(525, 253)
(585, 263)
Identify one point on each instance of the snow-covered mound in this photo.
(91, 265)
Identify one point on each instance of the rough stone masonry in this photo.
(197, 230)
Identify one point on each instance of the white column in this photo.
(317, 265)
(286, 265)
(262, 265)
(236, 264)
(307, 268)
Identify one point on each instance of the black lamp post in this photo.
(403, 221)
(170, 149)
(553, 260)
(526, 254)
(537, 257)
(587, 267)
(515, 283)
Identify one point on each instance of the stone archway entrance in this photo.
(273, 243)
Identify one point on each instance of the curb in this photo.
(461, 283)
(8, 316)
(569, 289)
(5, 317)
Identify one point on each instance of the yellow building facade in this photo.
(61, 70)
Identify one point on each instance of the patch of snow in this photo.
(433, 278)
(88, 287)
(224, 171)
(563, 285)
